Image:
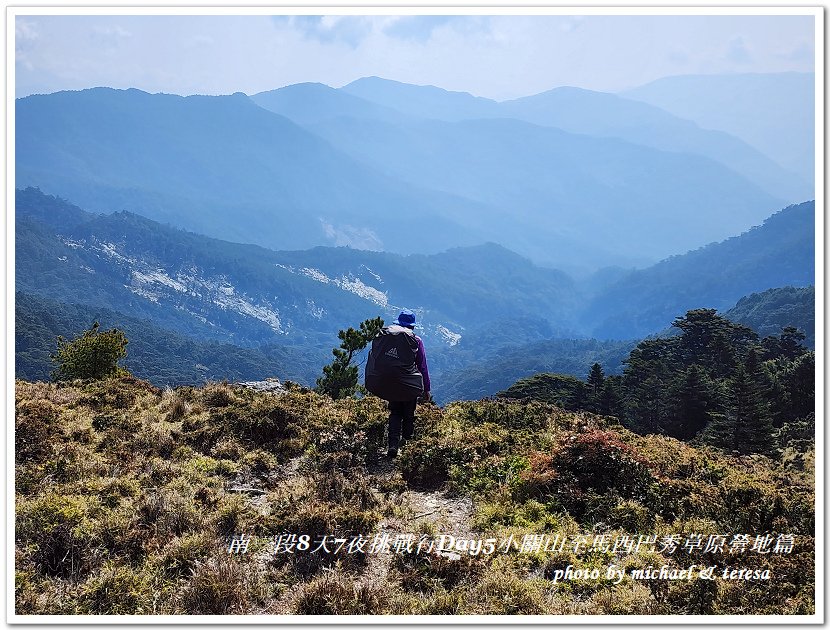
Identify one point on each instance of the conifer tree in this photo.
(596, 380)
(646, 398)
(800, 384)
(610, 398)
(746, 427)
(790, 344)
(339, 379)
(92, 355)
(692, 403)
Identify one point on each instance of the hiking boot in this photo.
(392, 453)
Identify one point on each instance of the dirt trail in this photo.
(416, 513)
(411, 512)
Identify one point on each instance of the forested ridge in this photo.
(716, 383)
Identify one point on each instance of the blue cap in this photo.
(406, 318)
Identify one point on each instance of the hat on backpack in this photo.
(406, 318)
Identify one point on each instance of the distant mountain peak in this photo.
(380, 81)
(366, 85)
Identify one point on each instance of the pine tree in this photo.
(92, 355)
(610, 398)
(712, 341)
(692, 402)
(339, 378)
(790, 345)
(800, 384)
(747, 426)
(646, 375)
(596, 380)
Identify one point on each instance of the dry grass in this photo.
(126, 497)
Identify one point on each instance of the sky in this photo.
(496, 56)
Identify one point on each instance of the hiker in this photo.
(396, 370)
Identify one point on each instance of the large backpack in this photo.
(391, 372)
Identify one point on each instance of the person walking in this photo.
(397, 371)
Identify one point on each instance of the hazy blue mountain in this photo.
(602, 114)
(768, 312)
(306, 103)
(466, 286)
(228, 168)
(594, 113)
(246, 294)
(780, 252)
(565, 199)
(425, 101)
(775, 113)
(225, 167)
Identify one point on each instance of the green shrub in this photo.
(489, 473)
(443, 603)
(430, 572)
(93, 355)
(218, 395)
(62, 532)
(586, 470)
(116, 393)
(515, 415)
(182, 554)
(118, 590)
(502, 592)
(263, 421)
(426, 463)
(234, 515)
(170, 511)
(35, 428)
(339, 488)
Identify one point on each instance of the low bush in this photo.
(431, 572)
(63, 533)
(35, 429)
(118, 590)
(426, 463)
(586, 471)
(338, 594)
(216, 587)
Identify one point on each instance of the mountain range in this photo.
(572, 179)
(579, 111)
(485, 312)
(543, 233)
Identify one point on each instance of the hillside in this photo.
(778, 253)
(592, 197)
(571, 109)
(246, 295)
(602, 114)
(489, 316)
(768, 312)
(156, 354)
(129, 498)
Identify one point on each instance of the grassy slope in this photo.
(126, 496)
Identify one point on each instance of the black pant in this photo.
(401, 421)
